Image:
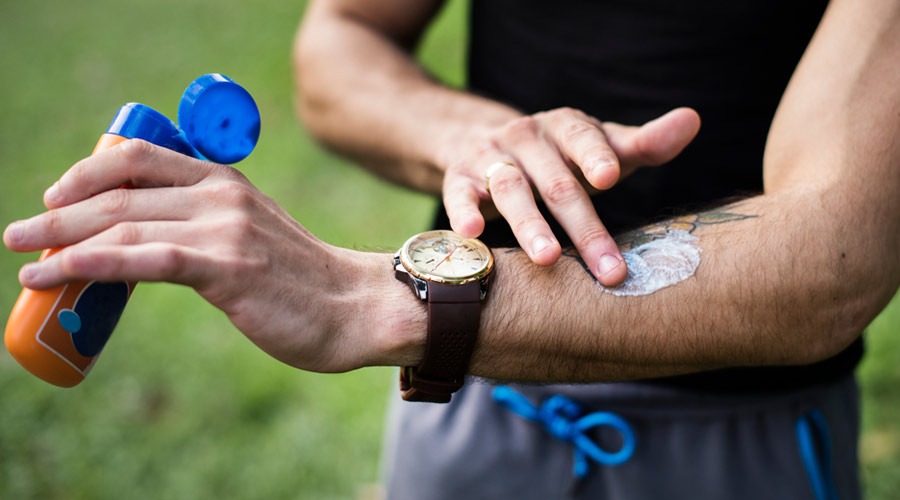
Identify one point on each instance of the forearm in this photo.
(783, 279)
(378, 105)
(784, 287)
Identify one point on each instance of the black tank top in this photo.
(630, 61)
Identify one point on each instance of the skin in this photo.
(440, 140)
(792, 277)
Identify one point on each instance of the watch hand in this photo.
(443, 260)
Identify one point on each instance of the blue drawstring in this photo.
(810, 425)
(561, 418)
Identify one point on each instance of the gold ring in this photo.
(493, 170)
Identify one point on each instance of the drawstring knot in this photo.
(562, 419)
(557, 414)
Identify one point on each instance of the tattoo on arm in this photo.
(689, 223)
(661, 254)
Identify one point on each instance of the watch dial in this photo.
(445, 254)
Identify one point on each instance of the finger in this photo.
(582, 140)
(149, 262)
(514, 199)
(188, 233)
(656, 142)
(73, 223)
(135, 162)
(462, 195)
(571, 206)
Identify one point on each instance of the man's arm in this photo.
(789, 277)
(794, 283)
(777, 284)
(785, 278)
(361, 93)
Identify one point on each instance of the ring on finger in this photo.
(493, 169)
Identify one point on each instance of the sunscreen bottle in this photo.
(57, 334)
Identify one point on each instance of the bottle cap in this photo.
(219, 118)
(136, 121)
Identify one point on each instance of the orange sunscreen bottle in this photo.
(57, 334)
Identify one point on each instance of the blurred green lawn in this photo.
(181, 405)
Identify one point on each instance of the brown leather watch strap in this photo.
(454, 314)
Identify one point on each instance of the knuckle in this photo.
(248, 266)
(125, 233)
(565, 113)
(522, 128)
(520, 226)
(562, 190)
(72, 262)
(171, 260)
(114, 202)
(575, 130)
(568, 112)
(77, 175)
(460, 196)
(233, 192)
(486, 145)
(592, 235)
(242, 227)
(456, 167)
(230, 173)
(135, 151)
(234, 233)
(53, 222)
(509, 181)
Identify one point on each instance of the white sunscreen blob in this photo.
(659, 263)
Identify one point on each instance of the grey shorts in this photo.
(687, 446)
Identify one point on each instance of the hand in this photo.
(205, 226)
(562, 155)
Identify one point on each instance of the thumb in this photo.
(655, 142)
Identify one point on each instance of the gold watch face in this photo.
(446, 257)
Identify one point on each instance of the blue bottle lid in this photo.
(219, 118)
(136, 121)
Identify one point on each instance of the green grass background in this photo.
(181, 405)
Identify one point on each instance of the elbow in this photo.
(312, 113)
(311, 58)
(846, 277)
(827, 333)
(310, 105)
(841, 317)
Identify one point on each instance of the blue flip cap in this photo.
(136, 121)
(219, 118)
(219, 122)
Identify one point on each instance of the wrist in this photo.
(392, 322)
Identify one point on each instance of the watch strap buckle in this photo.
(415, 387)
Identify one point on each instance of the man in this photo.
(788, 277)
(513, 135)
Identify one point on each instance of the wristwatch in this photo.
(451, 274)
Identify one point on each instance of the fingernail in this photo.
(602, 164)
(16, 231)
(608, 263)
(539, 244)
(599, 169)
(30, 271)
(52, 193)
